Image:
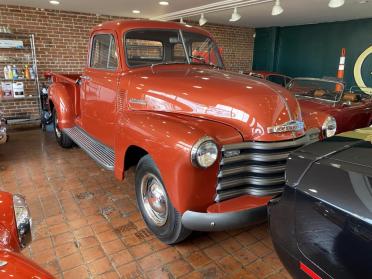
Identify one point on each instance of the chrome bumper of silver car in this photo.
(3, 134)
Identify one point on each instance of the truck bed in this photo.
(61, 77)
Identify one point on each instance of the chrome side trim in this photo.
(267, 145)
(256, 157)
(253, 169)
(99, 152)
(251, 180)
(250, 191)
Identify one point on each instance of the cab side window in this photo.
(103, 52)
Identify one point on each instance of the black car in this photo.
(321, 225)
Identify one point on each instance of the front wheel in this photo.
(62, 139)
(155, 206)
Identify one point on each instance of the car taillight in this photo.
(309, 271)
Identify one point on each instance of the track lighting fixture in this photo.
(277, 9)
(336, 3)
(202, 20)
(235, 16)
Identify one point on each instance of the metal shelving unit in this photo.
(20, 57)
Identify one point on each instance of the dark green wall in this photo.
(314, 50)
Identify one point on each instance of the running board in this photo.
(99, 152)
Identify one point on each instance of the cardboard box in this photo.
(18, 89)
(7, 89)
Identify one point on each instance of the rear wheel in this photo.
(62, 139)
(155, 206)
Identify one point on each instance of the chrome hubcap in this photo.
(154, 199)
(58, 132)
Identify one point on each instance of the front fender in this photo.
(168, 139)
(61, 95)
(314, 119)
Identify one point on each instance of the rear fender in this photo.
(168, 139)
(62, 97)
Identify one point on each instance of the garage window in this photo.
(103, 53)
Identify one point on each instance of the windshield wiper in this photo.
(166, 63)
(204, 63)
(215, 66)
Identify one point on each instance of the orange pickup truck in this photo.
(209, 145)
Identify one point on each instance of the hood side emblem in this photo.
(290, 126)
(138, 101)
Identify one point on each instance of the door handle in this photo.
(85, 77)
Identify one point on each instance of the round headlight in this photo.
(204, 152)
(329, 127)
(23, 220)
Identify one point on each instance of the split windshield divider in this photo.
(184, 46)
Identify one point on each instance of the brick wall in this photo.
(62, 37)
(237, 44)
(26, 108)
(61, 43)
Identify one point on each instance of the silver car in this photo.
(3, 130)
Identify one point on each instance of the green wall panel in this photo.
(264, 56)
(314, 50)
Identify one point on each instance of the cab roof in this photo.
(121, 26)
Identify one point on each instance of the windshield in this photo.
(316, 89)
(202, 50)
(153, 47)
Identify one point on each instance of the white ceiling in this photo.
(296, 12)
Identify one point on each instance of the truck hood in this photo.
(249, 105)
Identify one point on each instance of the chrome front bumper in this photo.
(200, 221)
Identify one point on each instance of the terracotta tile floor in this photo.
(86, 224)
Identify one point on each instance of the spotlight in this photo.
(54, 2)
(336, 3)
(202, 20)
(277, 9)
(136, 11)
(235, 16)
(163, 3)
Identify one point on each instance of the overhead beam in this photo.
(210, 8)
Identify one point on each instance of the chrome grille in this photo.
(257, 170)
